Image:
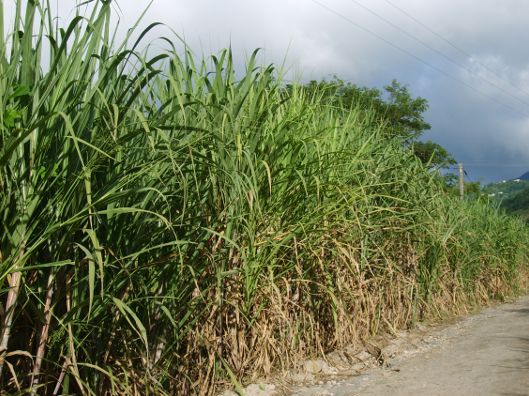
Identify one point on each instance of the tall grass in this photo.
(169, 228)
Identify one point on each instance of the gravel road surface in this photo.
(483, 354)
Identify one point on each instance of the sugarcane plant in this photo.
(170, 225)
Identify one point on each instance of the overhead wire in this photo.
(440, 53)
(451, 44)
(498, 165)
(417, 58)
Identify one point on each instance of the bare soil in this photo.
(482, 354)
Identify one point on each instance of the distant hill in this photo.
(506, 188)
(518, 203)
(525, 176)
(513, 195)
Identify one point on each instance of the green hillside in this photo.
(511, 195)
(505, 189)
(518, 203)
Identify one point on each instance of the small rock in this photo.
(319, 367)
(228, 393)
(260, 390)
(298, 377)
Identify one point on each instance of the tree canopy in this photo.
(396, 108)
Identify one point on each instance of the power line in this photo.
(440, 53)
(467, 174)
(410, 54)
(450, 43)
(498, 165)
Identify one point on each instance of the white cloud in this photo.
(320, 43)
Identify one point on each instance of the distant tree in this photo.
(518, 202)
(432, 154)
(450, 180)
(472, 190)
(402, 114)
(405, 113)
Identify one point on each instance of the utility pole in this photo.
(461, 181)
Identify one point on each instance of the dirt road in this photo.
(483, 354)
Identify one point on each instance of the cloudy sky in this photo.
(468, 58)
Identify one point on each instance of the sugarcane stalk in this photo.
(43, 337)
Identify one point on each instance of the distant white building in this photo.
(517, 180)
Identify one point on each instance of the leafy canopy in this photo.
(400, 112)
